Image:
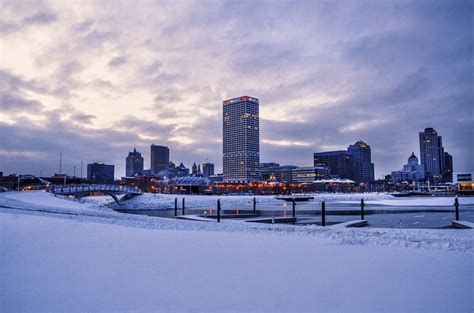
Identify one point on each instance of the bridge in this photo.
(80, 191)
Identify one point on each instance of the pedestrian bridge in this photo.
(80, 191)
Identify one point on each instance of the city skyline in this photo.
(344, 77)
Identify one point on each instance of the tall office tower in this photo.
(134, 164)
(432, 153)
(448, 167)
(241, 142)
(207, 169)
(362, 162)
(160, 158)
(339, 163)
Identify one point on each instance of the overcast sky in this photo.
(95, 80)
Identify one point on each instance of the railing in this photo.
(93, 187)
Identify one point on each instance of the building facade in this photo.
(339, 163)
(134, 164)
(448, 167)
(309, 174)
(464, 182)
(207, 169)
(362, 166)
(277, 173)
(241, 141)
(412, 171)
(100, 172)
(432, 153)
(159, 158)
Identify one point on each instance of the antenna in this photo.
(60, 162)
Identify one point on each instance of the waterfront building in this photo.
(339, 163)
(207, 169)
(100, 172)
(277, 173)
(412, 171)
(134, 164)
(241, 143)
(464, 182)
(362, 166)
(448, 167)
(432, 153)
(183, 171)
(268, 164)
(159, 158)
(309, 174)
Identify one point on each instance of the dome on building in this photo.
(413, 160)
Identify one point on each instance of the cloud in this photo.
(14, 103)
(327, 74)
(41, 18)
(82, 118)
(37, 19)
(117, 61)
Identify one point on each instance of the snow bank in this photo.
(150, 201)
(164, 201)
(53, 265)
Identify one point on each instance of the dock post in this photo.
(323, 213)
(254, 206)
(175, 207)
(362, 205)
(456, 206)
(218, 210)
(294, 207)
(183, 205)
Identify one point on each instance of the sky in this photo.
(93, 80)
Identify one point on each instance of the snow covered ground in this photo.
(164, 201)
(79, 256)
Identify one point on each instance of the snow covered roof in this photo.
(334, 181)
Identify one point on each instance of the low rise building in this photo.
(309, 174)
(412, 171)
(464, 182)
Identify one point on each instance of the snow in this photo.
(50, 264)
(150, 201)
(61, 254)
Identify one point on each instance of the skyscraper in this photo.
(241, 142)
(207, 169)
(432, 153)
(448, 167)
(339, 163)
(362, 162)
(160, 158)
(134, 164)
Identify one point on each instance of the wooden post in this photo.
(362, 205)
(254, 206)
(218, 210)
(323, 213)
(456, 206)
(183, 205)
(294, 207)
(175, 207)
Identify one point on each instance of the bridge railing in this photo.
(63, 189)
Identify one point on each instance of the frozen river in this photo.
(378, 215)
